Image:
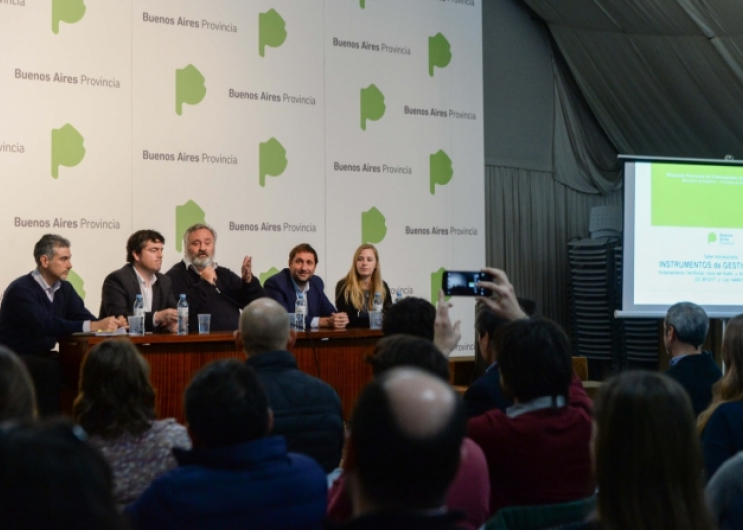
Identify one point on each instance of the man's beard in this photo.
(202, 261)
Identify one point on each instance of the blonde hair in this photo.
(353, 292)
(730, 387)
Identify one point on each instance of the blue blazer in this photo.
(281, 288)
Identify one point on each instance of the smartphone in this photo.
(462, 283)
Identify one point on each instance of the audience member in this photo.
(52, 479)
(721, 424)
(470, 489)
(724, 494)
(141, 275)
(537, 450)
(404, 451)
(485, 393)
(41, 307)
(354, 294)
(684, 331)
(115, 406)
(646, 456)
(17, 400)
(211, 288)
(411, 316)
(306, 410)
(237, 476)
(300, 277)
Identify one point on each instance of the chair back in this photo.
(540, 516)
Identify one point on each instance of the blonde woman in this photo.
(354, 293)
(721, 424)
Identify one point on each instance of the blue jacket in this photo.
(257, 485)
(485, 393)
(722, 437)
(697, 373)
(30, 323)
(281, 288)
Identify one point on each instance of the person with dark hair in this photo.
(684, 331)
(470, 489)
(412, 316)
(721, 424)
(211, 288)
(300, 277)
(41, 307)
(403, 452)
(485, 393)
(51, 478)
(537, 450)
(17, 400)
(237, 476)
(647, 459)
(141, 275)
(306, 410)
(115, 406)
(354, 294)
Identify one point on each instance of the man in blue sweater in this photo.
(39, 308)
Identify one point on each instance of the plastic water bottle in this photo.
(138, 306)
(183, 315)
(398, 295)
(377, 303)
(300, 310)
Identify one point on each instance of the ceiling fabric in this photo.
(661, 77)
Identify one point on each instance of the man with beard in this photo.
(209, 288)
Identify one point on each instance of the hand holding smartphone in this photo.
(463, 283)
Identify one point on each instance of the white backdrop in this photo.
(262, 141)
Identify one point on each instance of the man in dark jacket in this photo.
(307, 411)
(684, 331)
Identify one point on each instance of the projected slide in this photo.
(688, 234)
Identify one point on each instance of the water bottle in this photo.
(377, 303)
(183, 315)
(300, 310)
(398, 295)
(138, 306)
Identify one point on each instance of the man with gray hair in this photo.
(404, 451)
(684, 331)
(307, 411)
(209, 288)
(39, 308)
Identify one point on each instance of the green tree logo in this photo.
(439, 52)
(189, 87)
(69, 11)
(262, 277)
(436, 279)
(271, 160)
(440, 170)
(186, 215)
(372, 104)
(373, 226)
(67, 148)
(711, 238)
(271, 31)
(362, 4)
(77, 283)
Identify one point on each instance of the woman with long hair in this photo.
(17, 398)
(115, 406)
(721, 424)
(646, 456)
(354, 294)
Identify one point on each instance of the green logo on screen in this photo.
(441, 170)
(711, 238)
(186, 215)
(436, 278)
(272, 160)
(262, 277)
(372, 105)
(67, 148)
(439, 52)
(271, 31)
(189, 87)
(69, 11)
(77, 283)
(373, 226)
